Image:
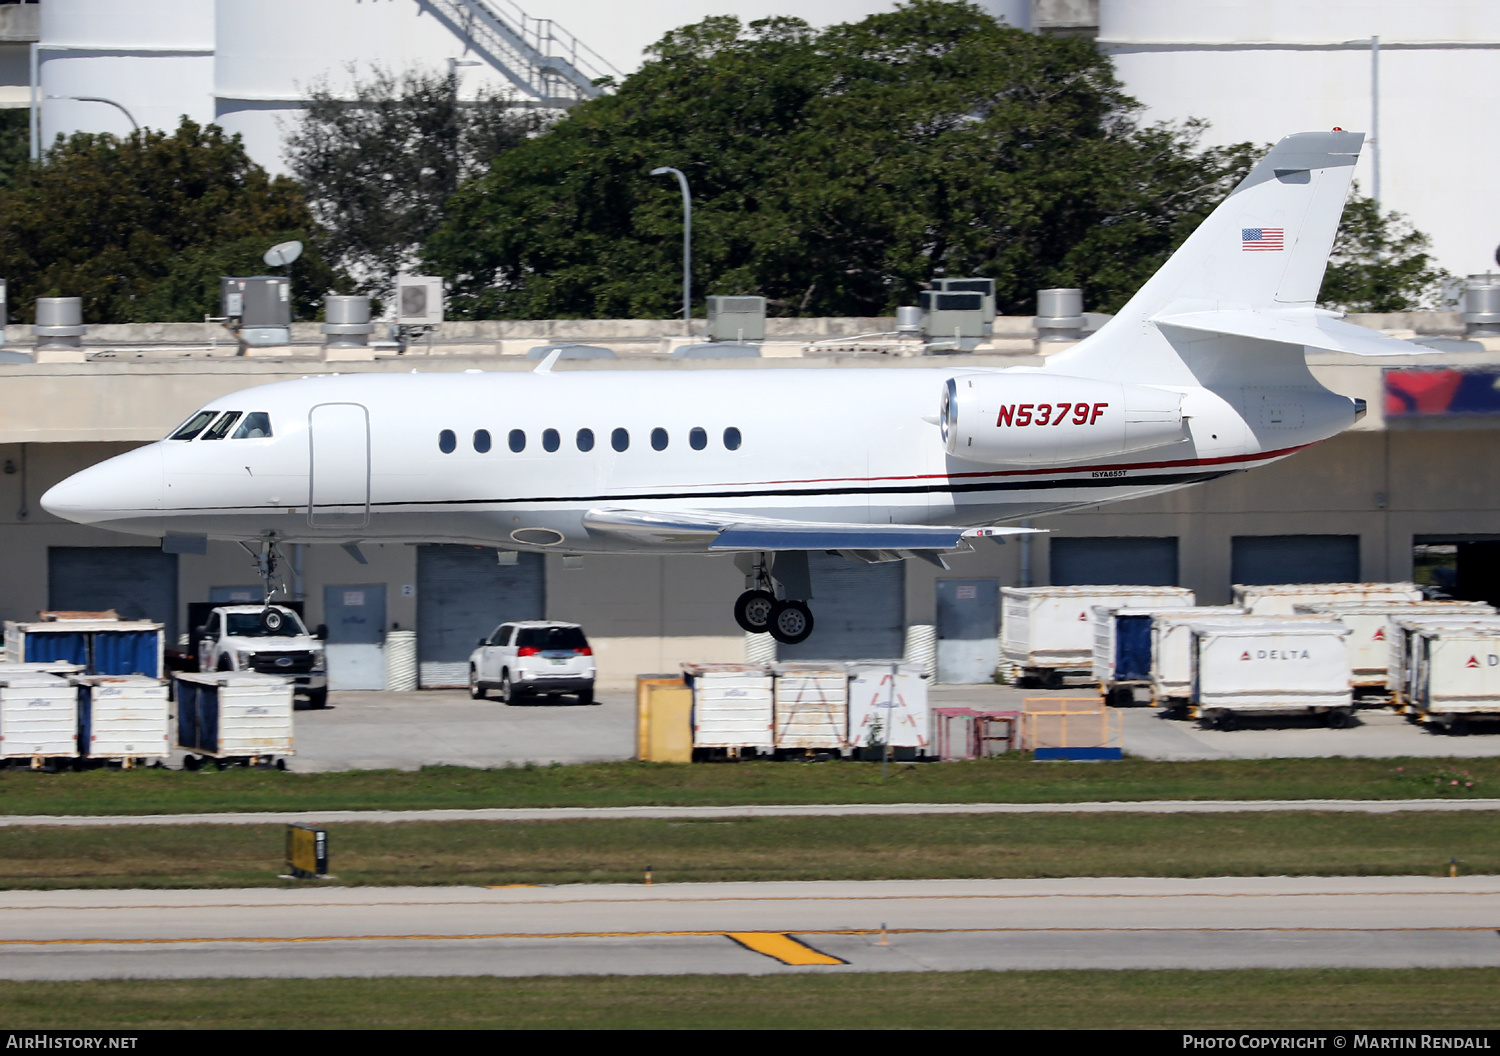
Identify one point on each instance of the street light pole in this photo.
(687, 247)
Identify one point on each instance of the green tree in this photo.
(835, 172)
(1380, 263)
(142, 227)
(379, 169)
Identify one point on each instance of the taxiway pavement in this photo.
(922, 925)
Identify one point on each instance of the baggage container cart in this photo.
(1123, 645)
(1048, 632)
(732, 706)
(1400, 633)
(811, 706)
(1369, 647)
(1455, 675)
(1281, 599)
(1271, 666)
(888, 706)
(98, 646)
(52, 667)
(38, 718)
(124, 717)
(234, 717)
(973, 733)
(1172, 655)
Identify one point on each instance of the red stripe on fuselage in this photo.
(1186, 463)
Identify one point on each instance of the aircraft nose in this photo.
(123, 486)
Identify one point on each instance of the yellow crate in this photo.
(664, 720)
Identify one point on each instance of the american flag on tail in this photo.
(1261, 239)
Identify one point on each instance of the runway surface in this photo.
(785, 810)
(924, 925)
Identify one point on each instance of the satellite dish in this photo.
(280, 256)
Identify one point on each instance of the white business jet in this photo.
(1202, 374)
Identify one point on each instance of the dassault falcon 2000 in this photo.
(1202, 374)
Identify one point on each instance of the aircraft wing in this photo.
(727, 532)
(1311, 327)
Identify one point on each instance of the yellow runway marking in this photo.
(735, 935)
(782, 948)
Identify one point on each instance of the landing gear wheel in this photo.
(791, 622)
(477, 689)
(752, 610)
(272, 619)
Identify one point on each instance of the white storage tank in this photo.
(812, 706)
(731, 705)
(1369, 648)
(890, 697)
(1123, 644)
(38, 717)
(1282, 599)
(1259, 666)
(153, 58)
(1456, 674)
(1257, 71)
(123, 717)
(1048, 630)
(272, 53)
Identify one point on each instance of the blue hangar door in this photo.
(464, 593)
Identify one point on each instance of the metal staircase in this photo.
(550, 66)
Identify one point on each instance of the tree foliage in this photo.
(379, 169)
(835, 172)
(142, 227)
(1380, 263)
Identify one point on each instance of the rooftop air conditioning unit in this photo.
(736, 318)
(419, 300)
(952, 316)
(983, 287)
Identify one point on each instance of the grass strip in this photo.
(1014, 779)
(860, 848)
(1290, 999)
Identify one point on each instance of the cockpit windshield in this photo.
(248, 625)
(257, 424)
(220, 429)
(193, 426)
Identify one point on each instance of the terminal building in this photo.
(1412, 490)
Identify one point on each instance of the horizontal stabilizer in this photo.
(1310, 327)
(725, 532)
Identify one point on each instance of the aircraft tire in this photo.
(752, 611)
(791, 622)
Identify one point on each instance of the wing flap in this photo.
(725, 532)
(1296, 326)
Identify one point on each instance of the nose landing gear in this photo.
(759, 611)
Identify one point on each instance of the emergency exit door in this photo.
(339, 466)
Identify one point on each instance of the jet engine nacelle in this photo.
(1036, 419)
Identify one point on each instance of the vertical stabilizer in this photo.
(1264, 248)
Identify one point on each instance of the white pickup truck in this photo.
(243, 638)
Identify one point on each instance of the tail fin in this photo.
(1264, 248)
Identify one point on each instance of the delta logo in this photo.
(1277, 654)
(1490, 660)
(1379, 635)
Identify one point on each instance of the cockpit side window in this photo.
(193, 426)
(257, 425)
(221, 428)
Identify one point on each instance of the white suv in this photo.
(533, 657)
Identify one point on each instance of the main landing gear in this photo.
(759, 611)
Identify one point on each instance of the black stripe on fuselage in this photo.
(1153, 480)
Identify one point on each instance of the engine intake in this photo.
(1043, 419)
